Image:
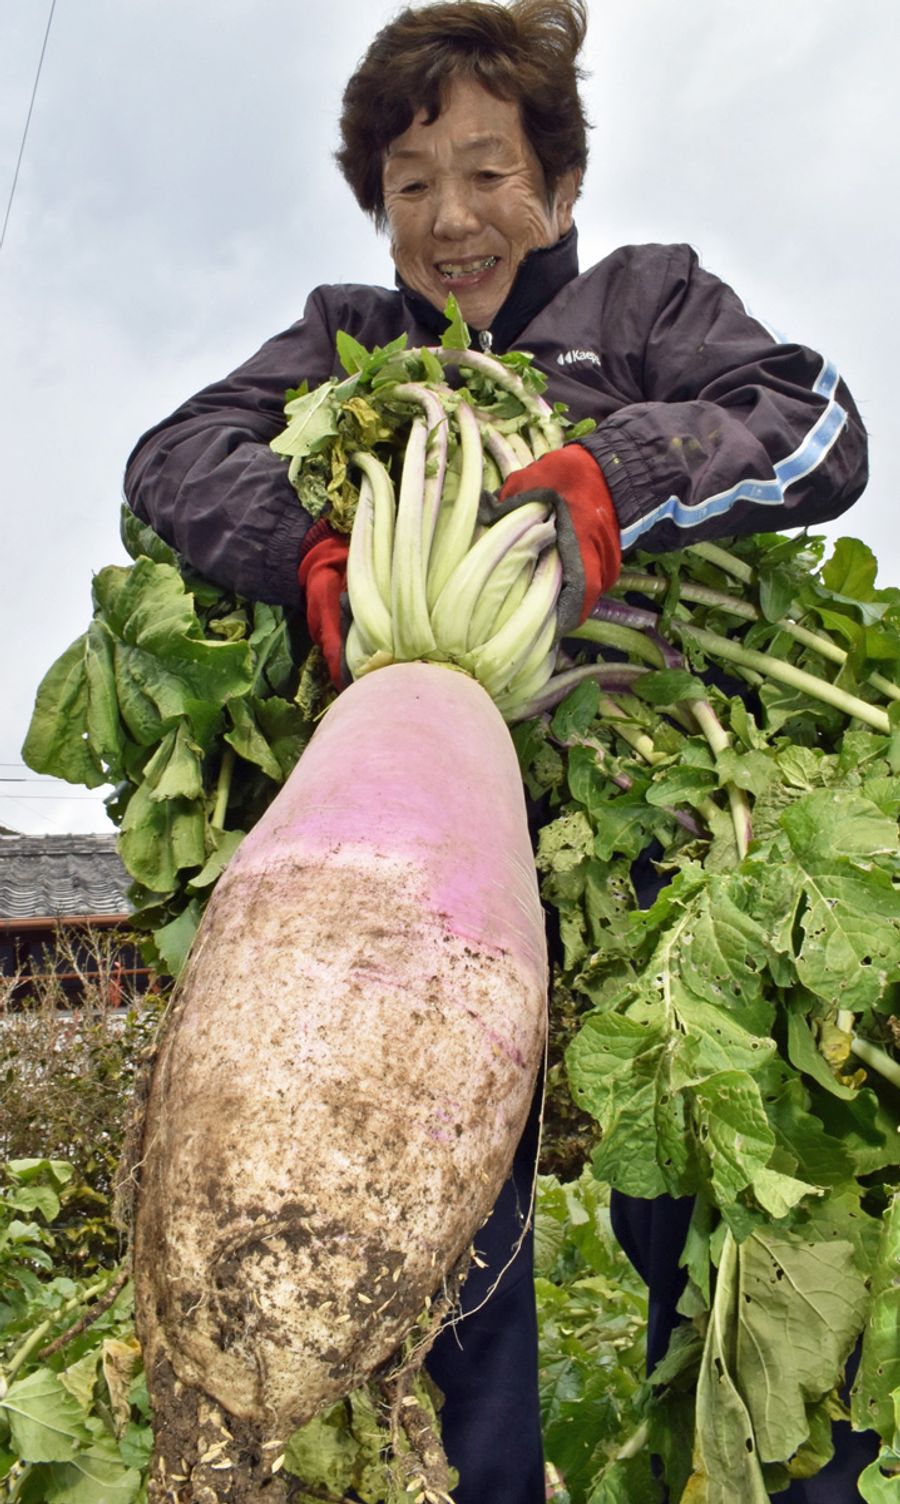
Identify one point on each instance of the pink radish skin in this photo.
(350, 1058)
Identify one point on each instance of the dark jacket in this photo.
(707, 425)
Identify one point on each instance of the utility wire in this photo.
(57, 798)
(12, 191)
(48, 783)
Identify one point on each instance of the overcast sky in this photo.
(177, 200)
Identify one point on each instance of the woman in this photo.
(464, 136)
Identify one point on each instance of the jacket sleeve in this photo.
(736, 433)
(206, 480)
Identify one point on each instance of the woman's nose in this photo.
(454, 211)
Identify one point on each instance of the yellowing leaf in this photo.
(120, 1361)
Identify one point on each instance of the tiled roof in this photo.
(54, 876)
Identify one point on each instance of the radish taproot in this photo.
(349, 1059)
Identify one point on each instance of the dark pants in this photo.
(487, 1365)
(652, 1234)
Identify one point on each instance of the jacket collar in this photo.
(541, 275)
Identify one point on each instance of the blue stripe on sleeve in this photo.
(766, 493)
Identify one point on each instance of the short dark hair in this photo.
(525, 52)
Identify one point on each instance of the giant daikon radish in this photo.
(350, 1057)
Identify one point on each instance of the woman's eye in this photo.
(409, 190)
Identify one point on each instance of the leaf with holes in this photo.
(844, 909)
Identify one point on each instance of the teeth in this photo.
(465, 268)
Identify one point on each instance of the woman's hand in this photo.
(587, 528)
(322, 574)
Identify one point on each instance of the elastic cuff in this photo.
(320, 529)
(624, 470)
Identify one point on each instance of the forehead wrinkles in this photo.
(475, 144)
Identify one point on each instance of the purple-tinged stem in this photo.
(612, 677)
(501, 450)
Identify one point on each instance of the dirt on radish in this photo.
(202, 1455)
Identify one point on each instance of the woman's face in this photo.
(466, 202)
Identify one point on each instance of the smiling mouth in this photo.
(452, 269)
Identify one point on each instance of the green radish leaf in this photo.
(104, 727)
(140, 541)
(785, 1315)
(667, 686)
(565, 843)
(379, 360)
(580, 430)
(753, 771)
(734, 1131)
(164, 668)
(866, 1129)
(726, 1462)
(845, 909)
(681, 785)
(874, 648)
(877, 1384)
(851, 570)
(249, 742)
(173, 772)
(624, 823)
(136, 1446)
(159, 839)
(351, 354)
(324, 1452)
(778, 1194)
(615, 1065)
(809, 1124)
(94, 1474)
(80, 1378)
(801, 1304)
(878, 1482)
(285, 728)
(776, 592)
(57, 741)
(313, 422)
(572, 718)
(838, 823)
(174, 940)
(456, 336)
(46, 1423)
(807, 1057)
(432, 370)
(227, 843)
(273, 654)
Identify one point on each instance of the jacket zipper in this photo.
(486, 341)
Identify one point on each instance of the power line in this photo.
(57, 798)
(47, 782)
(12, 191)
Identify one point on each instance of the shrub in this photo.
(67, 1080)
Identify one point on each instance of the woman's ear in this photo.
(564, 199)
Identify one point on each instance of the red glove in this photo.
(587, 528)
(323, 579)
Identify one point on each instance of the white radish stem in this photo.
(413, 637)
(453, 540)
(384, 506)
(369, 610)
(458, 598)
